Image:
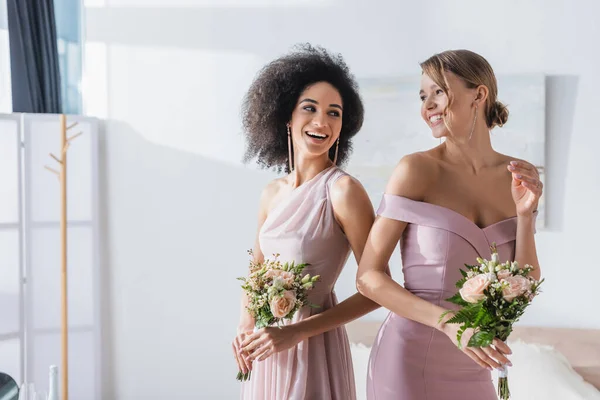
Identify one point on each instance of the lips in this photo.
(435, 119)
(316, 135)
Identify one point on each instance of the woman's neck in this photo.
(474, 153)
(306, 168)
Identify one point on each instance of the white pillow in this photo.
(360, 362)
(539, 373)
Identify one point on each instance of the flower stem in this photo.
(243, 377)
(503, 391)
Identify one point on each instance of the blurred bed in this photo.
(549, 363)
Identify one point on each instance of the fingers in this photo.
(259, 351)
(533, 184)
(249, 348)
(521, 173)
(526, 179)
(265, 355)
(262, 353)
(250, 337)
(488, 357)
(523, 168)
(490, 363)
(241, 355)
(534, 187)
(475, 358)
(247, 361)
(496, 356)
(239, 358)
(501, 346)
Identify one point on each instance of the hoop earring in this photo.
(337, 144)
(473, 127)
(289, 133)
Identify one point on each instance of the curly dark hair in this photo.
(272, 97)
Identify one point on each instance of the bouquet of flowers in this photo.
(492, 297)
(275, 291)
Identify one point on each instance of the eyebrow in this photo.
(307, 100)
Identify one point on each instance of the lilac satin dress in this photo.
(302, 228)
(409, 360)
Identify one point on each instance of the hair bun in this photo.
(498, 115)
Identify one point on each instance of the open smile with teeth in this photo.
(315, 135)
(435, 119)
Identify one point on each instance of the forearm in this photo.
(348, 310)
(381, 288)
(525, 252)
(246, 320)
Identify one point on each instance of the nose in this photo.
(430, 104)
(319, 120)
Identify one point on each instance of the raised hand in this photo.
(526, 187)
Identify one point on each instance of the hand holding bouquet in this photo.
(275, 291)
(492, 297)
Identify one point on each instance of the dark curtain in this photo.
(35, 73)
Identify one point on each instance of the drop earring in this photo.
(473, 127)
(337, 145)
(289, 134)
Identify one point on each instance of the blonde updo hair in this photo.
(474, 70)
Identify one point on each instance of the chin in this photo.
(438, 131)
(439, 135)
(318, 150)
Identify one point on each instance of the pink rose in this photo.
(285, 276)
(503, 274)
(283, 304)
(517, 285)
(472, 290)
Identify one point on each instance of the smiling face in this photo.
(316, 121)
(445, 117)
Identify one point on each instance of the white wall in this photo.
(180, 208)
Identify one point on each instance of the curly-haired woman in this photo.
(300, 115)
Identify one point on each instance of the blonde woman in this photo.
(446, 206)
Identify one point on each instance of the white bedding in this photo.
(538, 373)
